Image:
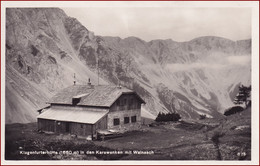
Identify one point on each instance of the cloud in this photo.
(176, 67)
(213, 62)
(239, 60)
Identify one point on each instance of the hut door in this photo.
(67, 124)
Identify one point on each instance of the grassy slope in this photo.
(207, 139)
(24, 137)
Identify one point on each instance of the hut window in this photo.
(81, 126)
(116, 121)
(133, 119)
(118, 102)
(121, 102)
(131, 102)
(126, 120)
(139, 105)
(75, 101)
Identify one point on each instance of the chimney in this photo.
(76, 99)
(74, 82)
(118, 83)
(89, 83)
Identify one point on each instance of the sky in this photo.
(178, 24)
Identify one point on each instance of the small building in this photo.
(84, 109)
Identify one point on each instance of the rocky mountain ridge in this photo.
(45, 47)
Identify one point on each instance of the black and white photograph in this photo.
(130, 81)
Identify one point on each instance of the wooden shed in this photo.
(84, 109)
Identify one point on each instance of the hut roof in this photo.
(90, 116)
(90, 95)
(43, 106)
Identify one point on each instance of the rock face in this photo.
(45, 47)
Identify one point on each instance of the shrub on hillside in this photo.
(203, 116)
(243, 95)
(233, 110)
(162, 117)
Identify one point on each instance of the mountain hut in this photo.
(85, 109)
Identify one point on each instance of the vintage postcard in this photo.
(165, 83)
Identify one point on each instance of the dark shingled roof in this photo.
(90, 95)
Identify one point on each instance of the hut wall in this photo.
(126, 109)
(62, 127)
(73, 128)
(46, 125)
(122, 116)
(126, 102)
(101, 124)
(81, 129)
(125, 113)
